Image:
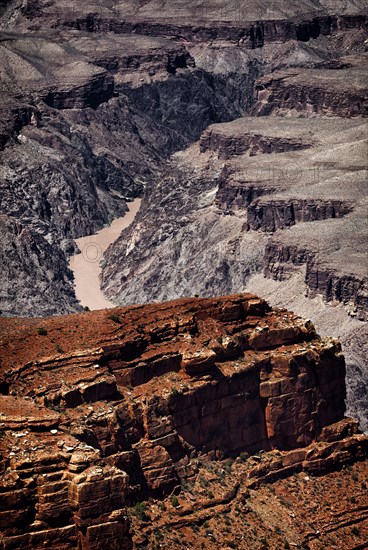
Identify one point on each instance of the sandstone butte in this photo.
(197, 423)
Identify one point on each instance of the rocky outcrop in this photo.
(229, 146)
(340, 443)
(63, 78)
(270, 215)
(336, 286)
(118, 414)
(311, 93)
(99, 89)
(93, 429)
(232, 25)
(232, 195)
(319, 278)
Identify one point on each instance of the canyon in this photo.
(239, 129)
(95, 100)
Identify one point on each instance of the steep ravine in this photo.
(112, 152)
(95, 104)
(195, 414)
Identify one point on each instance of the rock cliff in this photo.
(221, 206)
(84, 129)
(162, 425)
(102, 410)
(96, 98)
(313, 92)
(333, 285)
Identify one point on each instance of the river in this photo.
(86, 266)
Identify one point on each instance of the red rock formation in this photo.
(120, 414)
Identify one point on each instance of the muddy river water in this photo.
(86, 266)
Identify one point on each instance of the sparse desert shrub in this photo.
(114, 318)
(41, 331)
(175, 502)
(140, 511)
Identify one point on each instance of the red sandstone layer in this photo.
(103, 409)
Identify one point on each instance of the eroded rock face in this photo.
(220, 216)
(207, 212)
(342, 287)
(96, 98)
(129, 399)
(99, 116)
(312, 93)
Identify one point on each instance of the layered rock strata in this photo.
(300, 185)
(320, 278)
(220, 217)
(95, 98)
(102, 409)
(83, 130)
(313, 92)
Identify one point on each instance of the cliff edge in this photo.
(124, 427)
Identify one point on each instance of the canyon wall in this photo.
(98, 99)
(346, 288)
(119, 411)
(73, 155)
(102, 411)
